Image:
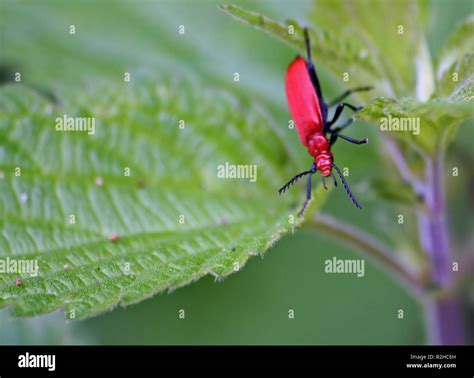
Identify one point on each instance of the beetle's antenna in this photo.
(294, 179)
(346, 186)
(308, 45)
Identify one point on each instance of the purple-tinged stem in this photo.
(445, 315)
(402, 165)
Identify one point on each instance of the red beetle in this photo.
(310, 114)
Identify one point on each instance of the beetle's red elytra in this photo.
(310, 113)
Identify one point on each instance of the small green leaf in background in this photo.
(174, 219)
(436, 119)
(390, 31)
(455, 64)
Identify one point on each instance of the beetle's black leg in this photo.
(312, 73)
(335, 134)
(308, 45)
(333, 139)
(342, 126)
(352, 107)
(348, 93)
(339, 110)
(349, 139)
(308, 195)
(334, 178)
(335, 117)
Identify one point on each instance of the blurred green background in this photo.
(250, 307)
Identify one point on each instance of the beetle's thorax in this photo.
(318, 147)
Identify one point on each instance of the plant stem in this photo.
(402, 165)
(372, 248)
(445, 314)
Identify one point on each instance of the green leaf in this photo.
(173, 173)
(388, 40)
(148, 42)
(465, 90)
(391, 33)
(455, 65)
(437, 120)
(338, 55)
(367, 43)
